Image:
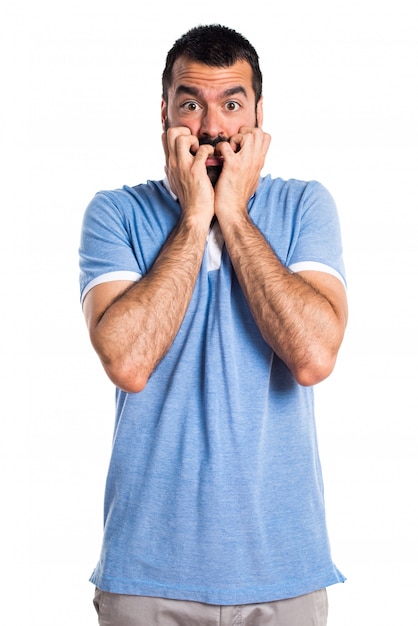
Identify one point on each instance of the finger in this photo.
(246, 134)
(175, 131)
(235, 142)
(254, 137)
(203, 152)
(186, 146)
(172, 135)
(246, 130)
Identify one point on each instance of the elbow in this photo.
(122, 369)
(314, 370)
(126, 378)
(317, 361)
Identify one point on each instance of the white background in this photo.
(80, 111)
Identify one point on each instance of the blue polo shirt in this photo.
(214, 491)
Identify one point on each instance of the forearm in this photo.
(137, 329)
(299, 323)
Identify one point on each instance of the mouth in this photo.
(214, 161)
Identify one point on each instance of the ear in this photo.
(163, 113)
(259, 111)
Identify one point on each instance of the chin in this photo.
(214, 173)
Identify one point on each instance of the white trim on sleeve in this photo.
(108, 277)
(316, 267)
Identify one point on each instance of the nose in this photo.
(212, 123)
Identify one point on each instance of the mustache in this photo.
(214, 141)
(209, 141)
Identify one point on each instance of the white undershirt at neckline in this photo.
(215, 240)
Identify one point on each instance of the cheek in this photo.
(247, 119)
(173, 121)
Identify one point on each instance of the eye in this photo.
(232, 105)
(190, 106)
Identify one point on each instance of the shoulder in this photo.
(291, 199)
(127, 207)
(292, 188)
(130, 196)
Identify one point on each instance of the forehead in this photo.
(211, 79)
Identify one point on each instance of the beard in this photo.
(214, 171)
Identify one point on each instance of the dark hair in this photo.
(216, 46)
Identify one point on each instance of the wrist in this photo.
(197, 221)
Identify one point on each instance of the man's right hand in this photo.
(186, 172)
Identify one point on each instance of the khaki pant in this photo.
(124, 610)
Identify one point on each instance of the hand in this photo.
(243, 160)
(186, 172)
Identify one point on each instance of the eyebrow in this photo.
(194, 91)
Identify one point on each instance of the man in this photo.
(215, 300)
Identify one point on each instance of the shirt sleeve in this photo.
(106, 252)
(318, 245)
